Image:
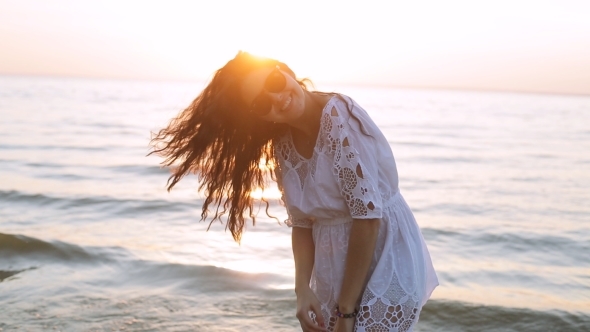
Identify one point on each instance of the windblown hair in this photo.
(217, 138)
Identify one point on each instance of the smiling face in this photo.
(286, 105)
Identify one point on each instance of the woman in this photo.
(361, 262)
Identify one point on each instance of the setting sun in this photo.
(506, 45)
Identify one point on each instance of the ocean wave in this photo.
(126, 269)
(138, 169)
(5, 274)
(88, 171)
(119, 206)
(440, 315)
(512, 211)
(24, 147)
(204, 279)
(14, 196)
(27, 249)
(546, 241)
(559, 250)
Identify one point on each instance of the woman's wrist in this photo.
(346, 305)
(346, 308)
(345, 313)
(301, 288)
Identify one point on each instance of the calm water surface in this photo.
(91, 241)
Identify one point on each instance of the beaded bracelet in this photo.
(350, 315)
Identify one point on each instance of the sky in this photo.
(517, 45)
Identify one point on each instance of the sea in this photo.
(90, 240)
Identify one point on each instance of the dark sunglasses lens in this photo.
(262, 105)
(275, 82)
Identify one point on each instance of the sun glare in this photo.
(266, 167)
(269, 193)
(513, 45)
(248, 266)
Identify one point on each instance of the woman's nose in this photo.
(276, 97)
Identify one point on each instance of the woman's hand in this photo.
(344, 325)
(306, 302)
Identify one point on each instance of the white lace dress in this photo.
(352, 174)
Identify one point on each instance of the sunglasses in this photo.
(275, 82)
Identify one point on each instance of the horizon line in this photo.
(347, 84)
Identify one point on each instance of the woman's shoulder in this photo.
(340, 99)
(351, 116)
(337, 105)
(345, 108)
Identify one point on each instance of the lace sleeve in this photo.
(355, 163)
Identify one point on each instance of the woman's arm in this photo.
(303, 254)
(361, 246)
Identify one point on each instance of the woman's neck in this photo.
(309, 122)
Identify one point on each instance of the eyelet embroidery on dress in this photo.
(291, 221)
(348, 170)
(349, 175)
(394, 311)
(302, 166)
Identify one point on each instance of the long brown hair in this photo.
(217, 138)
